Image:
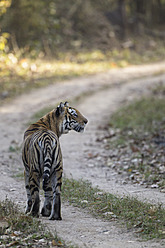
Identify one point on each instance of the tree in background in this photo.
(30, 24)
(4, 35)
(49, 25)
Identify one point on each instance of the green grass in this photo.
(139, 133)
(141, 114)
(17, 229)
(19, 175)
(146, 219)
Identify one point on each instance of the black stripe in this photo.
(47, 172)
(42, 122)
(56, 159)
(47, 165)
(38, 154)
(59, 177)
(57, 166)
(48, 160)
(34, 190)
(36, 170)
(48, 119)
(53, 154)
(58, 169)
(48, 189)
(53, 116)
(31, 186)
(31, 130)
(34, 181)
(58, 185)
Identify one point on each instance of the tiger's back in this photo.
(40, 149)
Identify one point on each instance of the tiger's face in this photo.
(70, 118)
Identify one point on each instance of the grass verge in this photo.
(17, 229)
(146, 219)
(144, 114)
(136, 140)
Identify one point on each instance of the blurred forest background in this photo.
(76, 37)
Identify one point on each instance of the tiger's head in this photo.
(70, 118)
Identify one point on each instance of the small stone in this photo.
(99, 193)
(107, 213)
(154, 186)
(109, 163)
(124, 182)
(125, 167)
(13, 189)
(3, 225)
(111, 214)
(84, 201)
(106, 232)
(135, 161)
(132, 177)
(99, 158)
(41, 241)
(90, 165)
(17, 233)
(113, 166)
(8, 230)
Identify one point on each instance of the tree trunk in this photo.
(122, 11)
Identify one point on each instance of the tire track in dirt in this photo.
(77, 226)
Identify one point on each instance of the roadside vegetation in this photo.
(135, 140)
(144, 219)
(19, 230)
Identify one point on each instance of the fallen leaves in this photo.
(18, 238)
(56, 244)
(19, 230)
(136, 154)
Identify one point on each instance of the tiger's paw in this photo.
(55, 217)
(28, 207)
(46, 210)
(33, 214)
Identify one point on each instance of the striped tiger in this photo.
(42, 158)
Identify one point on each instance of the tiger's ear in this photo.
(66, 104)
(60, 109)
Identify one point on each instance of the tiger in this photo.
(42, 158)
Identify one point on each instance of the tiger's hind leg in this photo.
(46, 210)
(56, 205)
(27, 186)
(34, 182)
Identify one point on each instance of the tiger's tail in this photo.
(49, 157)
(46, 173)
(45, 180)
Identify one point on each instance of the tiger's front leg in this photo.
(56, 205)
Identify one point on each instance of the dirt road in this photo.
(107, 93)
